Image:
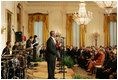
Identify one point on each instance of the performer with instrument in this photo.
(35, 46)
(29, 45)
(6, 50)
(15, 47)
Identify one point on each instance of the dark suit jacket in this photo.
(15, 48)
(35, 44)
(6, 50)
(51, 48)
(28, 43)
(114, 66)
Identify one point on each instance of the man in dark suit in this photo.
(51, 55)
(6, 50)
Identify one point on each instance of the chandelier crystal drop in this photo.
(82, 17)
(107, 5)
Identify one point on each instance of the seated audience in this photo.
(42, 52)
(76, 54)
(109, 70)
(70, 52)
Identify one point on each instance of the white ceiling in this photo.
(64, 3)
(59, 2)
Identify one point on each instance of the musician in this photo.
(21, 46)
(35, 44)
(6, 50)
(51, 55)
(29, 45)
(15, 47)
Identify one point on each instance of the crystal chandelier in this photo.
(107, 5)
(82, 17)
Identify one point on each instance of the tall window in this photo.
(75, 34)
(113, 33)
(38, 30)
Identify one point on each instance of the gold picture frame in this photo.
(8, 20)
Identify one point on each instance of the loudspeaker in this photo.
(18, 36)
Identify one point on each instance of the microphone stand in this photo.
(63, 67)
(62, 62)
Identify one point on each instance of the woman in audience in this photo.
(99, 73)
(99, 61)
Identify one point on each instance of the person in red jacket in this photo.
(99, 61)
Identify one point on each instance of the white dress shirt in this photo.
(54, 39)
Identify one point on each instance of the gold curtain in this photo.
(45, 30)
(30, 26)
(107, 19)
(39, 17)
(69, 30)
(82, 31)
(113, 18)
(106, 30)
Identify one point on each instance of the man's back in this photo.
(28, 43)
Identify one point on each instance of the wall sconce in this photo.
(19, 5)
(3, 29)
(95, 36)
(13, 28)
